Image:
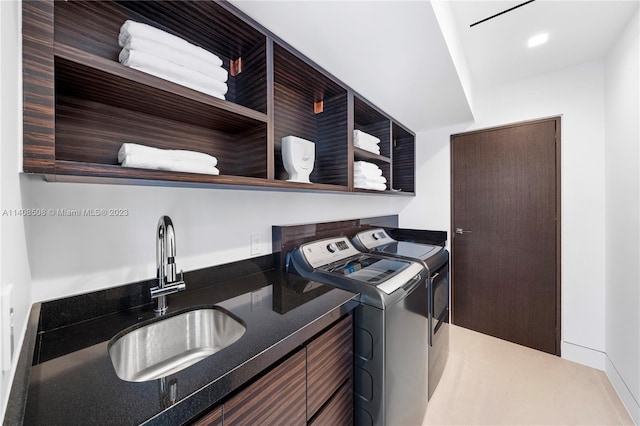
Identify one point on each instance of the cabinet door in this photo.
(276, 398)
(329, 364)
(339, 410)
(214, 418)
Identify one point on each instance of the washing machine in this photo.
(435, 260)
(391, 326)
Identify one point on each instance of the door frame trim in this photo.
(558, 133)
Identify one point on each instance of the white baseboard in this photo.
(582, 355)
(599, 360)
(630, 403)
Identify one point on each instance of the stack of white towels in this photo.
(366, 141)
(368, 176)
(176, 160)
(171, 58)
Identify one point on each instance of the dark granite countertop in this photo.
(72, 380)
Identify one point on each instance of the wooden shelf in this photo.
(76, 168)
(73, 171)
(387, 192)
(364, 155)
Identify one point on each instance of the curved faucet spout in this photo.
(165, 251)
(166, 265)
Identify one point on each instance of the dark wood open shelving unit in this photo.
(403, 154)
(81, 104)
(369, 119)
(309, 105)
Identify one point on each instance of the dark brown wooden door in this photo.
(505, 200)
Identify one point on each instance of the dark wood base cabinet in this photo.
(339, 409)
(214, 418)
(329, 364)
(277, 397)
(314, 386)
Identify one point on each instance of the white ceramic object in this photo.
(298, 156)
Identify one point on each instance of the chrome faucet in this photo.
(166, 264)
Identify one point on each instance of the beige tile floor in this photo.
(489, 381)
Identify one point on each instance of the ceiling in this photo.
(393, 52)
(496, 50)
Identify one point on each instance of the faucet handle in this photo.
(157, 292)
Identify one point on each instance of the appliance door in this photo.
(439, 300)
(390, 359)
(406, 353)
(439, 329)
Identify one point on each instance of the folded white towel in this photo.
(359, 135)
(135, 29)
(166, 70)
(128, 149)
(176, 56)
(143, 162)
(367, 146)
(367, 173)
(370, 185)
(373, 179)
(364, 165)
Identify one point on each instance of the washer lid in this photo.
(384, 273)
(413, 250)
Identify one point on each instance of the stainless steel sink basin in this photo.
(171, 343)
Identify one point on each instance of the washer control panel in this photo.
(373, 238)
(324, 252)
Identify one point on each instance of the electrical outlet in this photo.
(256, 244)
(261, 298)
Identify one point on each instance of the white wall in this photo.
(622, 165)
(577, 94)
(14, 267)
(447, 24)
(431, 208)
(72, 255)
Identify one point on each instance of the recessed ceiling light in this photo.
(538, 39)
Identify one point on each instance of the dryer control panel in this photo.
(373, 238)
